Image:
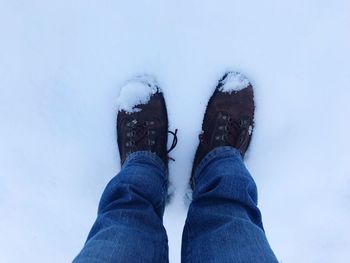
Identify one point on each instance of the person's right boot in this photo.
(229, 118)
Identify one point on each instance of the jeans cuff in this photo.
(149, 156)
(219, 152)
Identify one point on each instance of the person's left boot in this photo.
(142, 121)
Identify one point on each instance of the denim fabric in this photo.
(223, 223)
(129, 226)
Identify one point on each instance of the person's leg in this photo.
(129, 225)
(224, 223)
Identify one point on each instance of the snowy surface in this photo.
(135, 92)
(62, 64)
(233, 82)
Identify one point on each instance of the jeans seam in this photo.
(188, 248)
(163, 198)
(165, 248)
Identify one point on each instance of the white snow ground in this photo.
(62, 63)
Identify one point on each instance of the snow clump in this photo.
(135, 92)
(233, 82)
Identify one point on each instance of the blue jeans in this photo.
(223, 223)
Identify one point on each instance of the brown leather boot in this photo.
(228, 120)
(144, 126)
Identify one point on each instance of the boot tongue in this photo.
(141, 133)
(234, 132)
(233, 135)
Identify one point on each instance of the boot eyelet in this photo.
(149, 123)
(131, 134)
(151, 142)
(151, 132)
(131, 123)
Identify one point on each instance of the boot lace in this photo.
(142, 135)
(229, 132)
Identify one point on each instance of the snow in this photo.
(233, 82)
(62, 64)
(250, 130)
(135, 92)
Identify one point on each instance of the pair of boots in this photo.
(142, 121)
